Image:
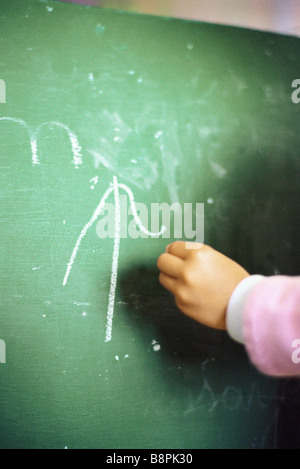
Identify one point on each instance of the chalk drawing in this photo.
(33, 134)
(2, 351)
(100, 159)
(30, 133)
(76, 148)
(114, 270)
(204, 398)
(2, 92)
(114, 187)
(84, 231)
(94, 181)
(135, 215)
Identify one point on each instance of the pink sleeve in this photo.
(271, 326)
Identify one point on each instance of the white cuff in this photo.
(236, 305)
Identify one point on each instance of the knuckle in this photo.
(206, 249)
(187, 276)
(181, 296)
(197, 255)
(200, 253)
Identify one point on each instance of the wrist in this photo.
(236, 306)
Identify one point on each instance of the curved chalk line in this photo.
(135, 215)
(33, 134)
(84, 231)
(115, 186)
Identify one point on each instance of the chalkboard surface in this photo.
(96, 104)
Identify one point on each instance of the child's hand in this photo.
(201, 279)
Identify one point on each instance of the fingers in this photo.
(170, 265)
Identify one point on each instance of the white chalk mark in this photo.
(100, 159)
(158, 134)
(2, 351)
(35, 159)
(218, 169)
(76, 148)
(135, 215)
(80, 303)
(94, 181)
(114, 270)
(155, 345)
(115, 186)
(33, 134)
(84, 231)
(2, 92)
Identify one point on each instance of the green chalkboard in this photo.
(99, 104)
